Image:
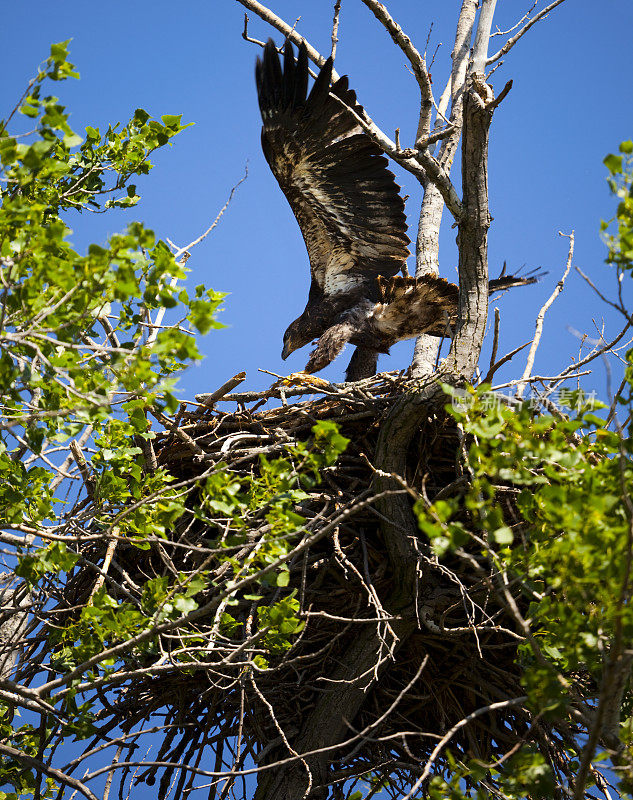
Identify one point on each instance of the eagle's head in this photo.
(295, 337)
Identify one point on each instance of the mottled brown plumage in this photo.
(351, 215)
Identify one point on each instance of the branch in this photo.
(511, 42)
(209, 400)
(516, 701)
(541, 316)
(337, 11)
(482, 37)
(428, 238)
(288, 31)
(494, 366)
(203, 611)
(82, 465)
(419, 162)
(456, 84)
(495, 342)
(472, 237)
(417, 61)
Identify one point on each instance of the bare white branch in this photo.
(337, 11)
(482, 36)
(541, 316)
(288, 31)
(499, 32)
(511, 42)
(416, 59)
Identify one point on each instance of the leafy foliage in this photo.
(84, 367)
(81, 360)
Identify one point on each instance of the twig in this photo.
(541, 316)
(245, 35)
(184, 254)
(435, 137)
(112, 544)
(599, 293)
(516, 701)
(288, 31)
(494, 367)
(511, 42)
(208, 400)
(173, 428)
(337, 11)
(191, 245)
(499, 32)
(495, 340)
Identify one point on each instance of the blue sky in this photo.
(570, 105)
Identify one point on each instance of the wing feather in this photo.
(336, 180)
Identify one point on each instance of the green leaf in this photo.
(283, 578)
(613, 163)
(503, 535)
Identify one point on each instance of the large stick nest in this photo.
(463, 651)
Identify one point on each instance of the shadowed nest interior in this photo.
(463, 651)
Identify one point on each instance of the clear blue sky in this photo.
(570, 105)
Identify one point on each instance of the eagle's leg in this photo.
(330, 345)
(363, 364)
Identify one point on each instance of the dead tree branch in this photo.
(511, 42)
(541, 317)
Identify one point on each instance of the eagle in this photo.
(351, 215)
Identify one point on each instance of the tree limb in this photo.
(416, 59)
(288, 31)
(482, 36)
(472, 237)
(431, 211)
(512, 41)
(541, 316)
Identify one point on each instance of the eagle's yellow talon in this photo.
(304, 379)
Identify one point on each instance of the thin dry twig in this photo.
(512, 41)
(337, 11)
(541, 316)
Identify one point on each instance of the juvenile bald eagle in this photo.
(352, 218)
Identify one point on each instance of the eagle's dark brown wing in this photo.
(335, 178)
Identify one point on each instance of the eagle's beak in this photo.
(286, 351)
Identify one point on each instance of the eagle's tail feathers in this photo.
(510, 281)
(411, 306)
(408, 307)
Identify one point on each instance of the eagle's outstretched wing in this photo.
(335, 178)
